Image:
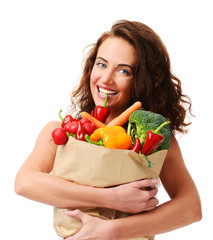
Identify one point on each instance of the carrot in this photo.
(124, 116)
(98, 123)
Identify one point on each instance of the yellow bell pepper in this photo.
(113, 137)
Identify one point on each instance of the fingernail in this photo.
(155, 180)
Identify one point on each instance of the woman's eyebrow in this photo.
(102, 59)
(125, 65)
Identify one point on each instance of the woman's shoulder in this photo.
(44, 139)
(52, 125)
(46, 132)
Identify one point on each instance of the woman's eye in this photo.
(101, 65)
(123, 71)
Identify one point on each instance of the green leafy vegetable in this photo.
(141, 121)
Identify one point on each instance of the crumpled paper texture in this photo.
(92, 165)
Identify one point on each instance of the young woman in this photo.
(131, 64)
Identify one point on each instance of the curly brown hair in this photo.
(154, 84)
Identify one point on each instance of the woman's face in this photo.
(112, 74)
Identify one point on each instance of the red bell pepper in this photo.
(102, 112)
(153, 140)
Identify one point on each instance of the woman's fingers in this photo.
(146, 183)
(134, 197)
(148, 194)
(77, 214)
(151, 204)
(92, 227)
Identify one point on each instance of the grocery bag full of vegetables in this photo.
(97, 162)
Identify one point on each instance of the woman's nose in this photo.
(107, 76)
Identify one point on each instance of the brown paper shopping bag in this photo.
(97, 166)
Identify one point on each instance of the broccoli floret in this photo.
(141, 121)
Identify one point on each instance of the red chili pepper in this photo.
(137, 145)
(102, 112)
(153, 140)
(80, 134)
(59, 136)
(68, 118)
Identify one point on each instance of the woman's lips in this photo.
(102, 92)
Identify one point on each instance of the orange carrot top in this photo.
(124, 116)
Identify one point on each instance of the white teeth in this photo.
(104, 91)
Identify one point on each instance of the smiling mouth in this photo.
(103, 92)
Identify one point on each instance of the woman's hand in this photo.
(93, 228)
(133, 197)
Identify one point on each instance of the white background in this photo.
(41, 49)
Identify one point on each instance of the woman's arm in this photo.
(184, 207)
(35, 182)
